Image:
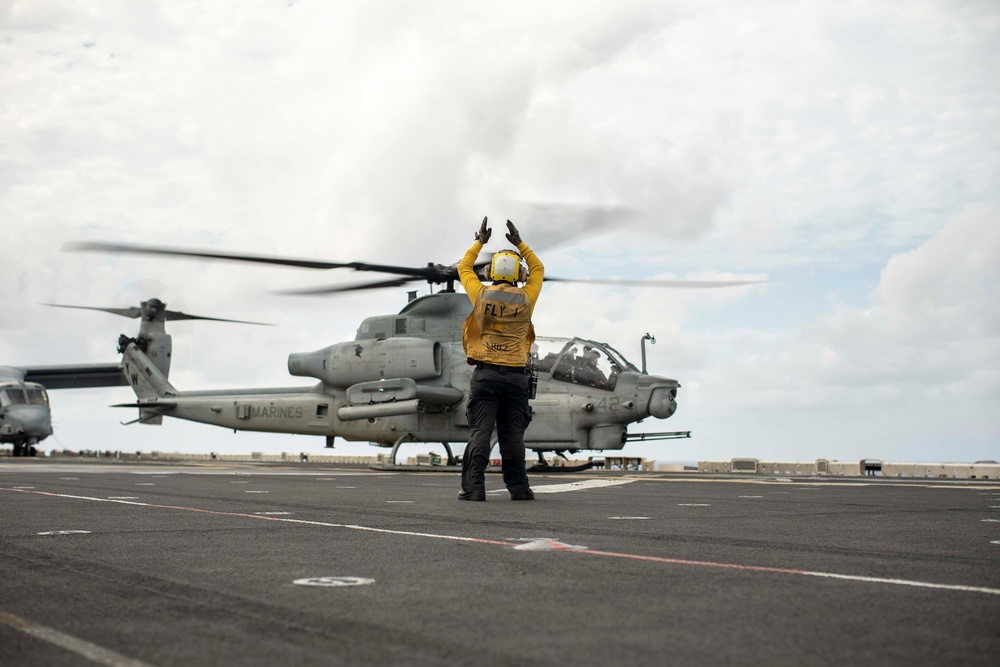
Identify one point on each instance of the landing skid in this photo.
(545, 466)
(453, 465)
(450, 466)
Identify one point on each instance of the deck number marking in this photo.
(333, 582)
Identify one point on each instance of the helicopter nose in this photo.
(36, 421)
(662, 403)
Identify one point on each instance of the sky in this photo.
(845, 154)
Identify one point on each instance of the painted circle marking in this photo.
(66, 532)
(334, 582)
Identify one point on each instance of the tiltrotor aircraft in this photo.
(404, 377)
(25, 413)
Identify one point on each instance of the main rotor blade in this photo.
(432, 273)
(132, 311)
(176, 315)
(97, 246)
(169, 315)
(684, 284)
(318, 291)
(425, 272)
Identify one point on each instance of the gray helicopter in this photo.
(404, 378)
(25, 412)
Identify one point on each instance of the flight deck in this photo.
(139, 563)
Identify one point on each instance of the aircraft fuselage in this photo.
(25, 418)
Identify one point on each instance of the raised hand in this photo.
(513, 235)
(484, 233)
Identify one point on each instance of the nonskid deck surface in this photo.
(310, 564)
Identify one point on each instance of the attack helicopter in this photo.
(404, 378)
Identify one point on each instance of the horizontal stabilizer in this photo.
(158, 405)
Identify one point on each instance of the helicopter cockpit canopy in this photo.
(580, 361)
(26, 394)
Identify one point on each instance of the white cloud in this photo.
(915, 365)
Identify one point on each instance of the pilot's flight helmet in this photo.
(506, 265)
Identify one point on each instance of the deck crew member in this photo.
(497, 336)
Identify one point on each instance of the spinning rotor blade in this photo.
(175, 315)
(96, 246)
(683, 284)
(319, 291)
(130, 312)
(399, 282)
(430, 272)
(395, 282)
(587, 219)
(152, 307)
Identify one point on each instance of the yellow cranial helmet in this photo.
(506, 265)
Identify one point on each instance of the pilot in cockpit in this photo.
(566, 368)
(588, 373)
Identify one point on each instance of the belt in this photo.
(503, 369)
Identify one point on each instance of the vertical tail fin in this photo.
(146, 358)
(146, 365)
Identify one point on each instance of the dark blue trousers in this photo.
(497, 398)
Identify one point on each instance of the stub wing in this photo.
(78, 376)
